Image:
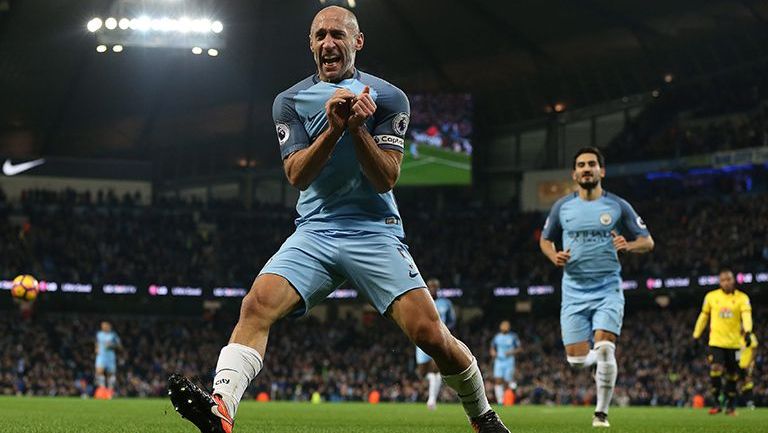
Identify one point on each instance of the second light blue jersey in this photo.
(446, 311)
(341, 197)
(106, 342)
(505, 343)
(584, 227)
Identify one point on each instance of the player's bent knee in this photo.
(430, 337)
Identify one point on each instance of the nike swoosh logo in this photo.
(311, 119)
(413, 274)
(11, 169)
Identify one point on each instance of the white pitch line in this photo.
(420, 162)
(453, 164)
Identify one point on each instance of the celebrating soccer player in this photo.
(424, 363)
(727, 311)
(107, 342)
(504, 347)
(341, 135)
(592, 224)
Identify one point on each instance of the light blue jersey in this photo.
(341, 197)
(446, 312)
(106, 343)
(346, 231)
(448, 316)
(503, 344)
(591, 289)
(504, 363)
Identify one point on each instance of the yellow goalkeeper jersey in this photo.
(727, 313)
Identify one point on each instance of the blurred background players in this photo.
(425, 365)
(504, 347)
(107, 342)
(591, 224)
(727, 311)
(746, 358)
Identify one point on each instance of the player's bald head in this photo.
(336, 13)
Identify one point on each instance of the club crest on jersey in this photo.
(640, 223)
(283, 132)
(606, 219)
(400, 123)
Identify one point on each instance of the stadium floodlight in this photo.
(213, 52)
(217, 27)
(117, 48)
(101, 48)
(197, 50)
(94, 25)
(142, 23)
(124, 23)
(110, 23)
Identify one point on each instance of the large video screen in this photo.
(439, 141)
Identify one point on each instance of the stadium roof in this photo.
(59, 96)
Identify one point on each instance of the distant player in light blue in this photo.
(425, 365)
(504, 347)
(107, 342)
(591, 225)
(341, 135)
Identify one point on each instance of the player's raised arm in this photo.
(380, 156)
(303, 161)
(703, 320)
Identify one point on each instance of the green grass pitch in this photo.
(435, 167)
(70, 415)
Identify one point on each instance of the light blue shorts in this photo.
(107, 361)
(504, 369)
(422, 357)
(604, 309)
(316, 262)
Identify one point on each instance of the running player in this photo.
(341, 134)
(504, 347)
(592, 224)
(107, 342)
(728, 312)
(424, 364)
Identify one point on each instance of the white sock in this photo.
(101, 380)
(605, 377)
(470, 387)
(111, 381)
(434, 387)
(499, 391)
(237, 367)
(591, 358)
(583, 361)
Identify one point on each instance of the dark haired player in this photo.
(591, 224)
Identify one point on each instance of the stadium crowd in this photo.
(345, 359)
(71, 237)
